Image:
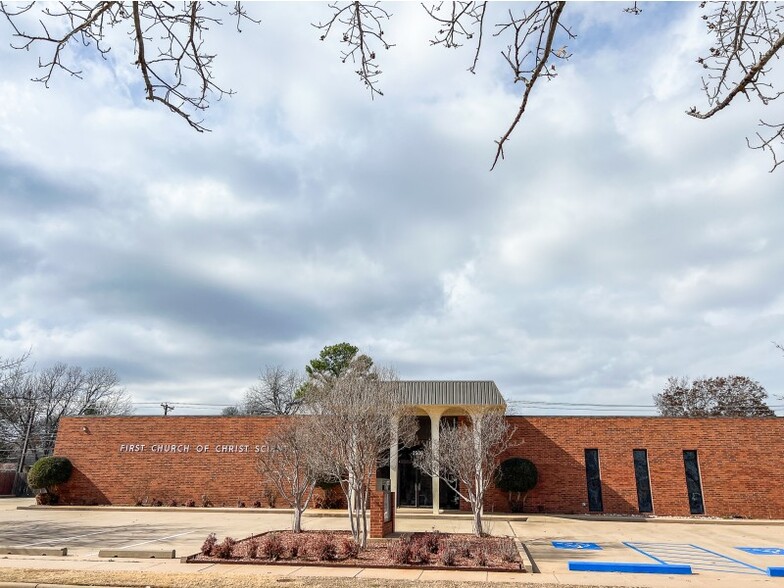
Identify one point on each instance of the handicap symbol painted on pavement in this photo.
(763, 550)
(574, 545)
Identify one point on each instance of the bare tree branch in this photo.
(539, 26)
(174, 66)
(362, 28)
(747, 37)
(458, 25)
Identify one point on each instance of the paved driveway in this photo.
(711, 549)
(84, 532)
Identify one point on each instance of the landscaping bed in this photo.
(337, 548)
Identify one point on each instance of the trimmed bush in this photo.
(253, 548)
(224, 548)
(420, 552)
(432, 541)
(400, 551)
(271, 547)
(323, 547)
(48, 473)
(508, 551)
(448, 555)
(482, 556)
(349, 548)
(295, 548)
(517, 475)
(464, 548)
(209, 544)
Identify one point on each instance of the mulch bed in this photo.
(426, 551)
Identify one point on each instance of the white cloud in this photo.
(619, 243)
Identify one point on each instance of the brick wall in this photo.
(740, 461)
(103, 474)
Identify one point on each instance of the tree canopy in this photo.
(730, 396)
(33, 400)
(335, 361)
(175, 68)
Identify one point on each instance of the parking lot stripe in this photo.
(159, 539)
(66, 538)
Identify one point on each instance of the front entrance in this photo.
(415, 489)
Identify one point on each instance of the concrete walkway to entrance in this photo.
(85, 532)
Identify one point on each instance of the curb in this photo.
(42, 585)
(665, 520)
(185, 509)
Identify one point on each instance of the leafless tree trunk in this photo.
(353, 418)
(468, 457)
(288, 463)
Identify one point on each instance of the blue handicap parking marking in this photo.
(763, 550)
(697, 557)
(575, 545)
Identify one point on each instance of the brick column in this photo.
(378, 527)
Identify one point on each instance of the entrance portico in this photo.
(435, 400)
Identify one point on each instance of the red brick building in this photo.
(666, 466)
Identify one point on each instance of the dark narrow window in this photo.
(594, 480)
(641, 475)
(693, 482)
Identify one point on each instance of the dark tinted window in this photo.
(693, 482)
(594, 480)
(641, 475)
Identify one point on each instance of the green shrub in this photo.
(517, 475)
(48, 473)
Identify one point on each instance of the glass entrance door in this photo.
(415, 489)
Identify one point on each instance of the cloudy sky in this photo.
(619, 243)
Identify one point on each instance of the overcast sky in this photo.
(619, 243)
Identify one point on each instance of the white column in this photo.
(393, 446)
(435, 422)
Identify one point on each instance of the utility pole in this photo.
(166, 408)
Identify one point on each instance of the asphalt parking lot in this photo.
(711, 548)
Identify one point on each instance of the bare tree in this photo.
(467, 457)
(276, 392)
(731, 396)
(33, 402)
(288, 462)
(353, 422)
